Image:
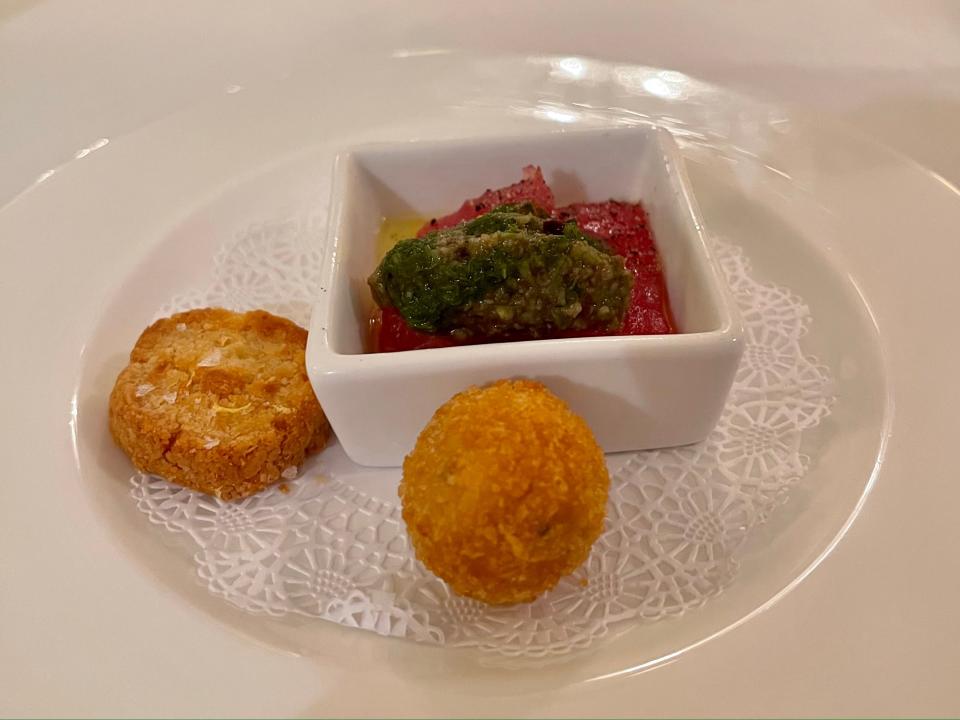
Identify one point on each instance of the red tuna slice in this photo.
(625, 227)
(532, 187)
(394, 334)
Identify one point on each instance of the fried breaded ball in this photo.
(218, 401)
(505, 492)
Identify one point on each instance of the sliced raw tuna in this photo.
(394, 334)
(532, 187)
(624, 226)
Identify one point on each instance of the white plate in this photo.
(94, 251)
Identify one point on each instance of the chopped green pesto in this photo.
(512, 271)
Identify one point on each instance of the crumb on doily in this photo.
(584, 582)
(284, 488)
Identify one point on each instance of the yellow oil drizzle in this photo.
(395, 229)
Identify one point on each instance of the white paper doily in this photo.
(675, 520)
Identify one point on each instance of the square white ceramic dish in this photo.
(636, 392)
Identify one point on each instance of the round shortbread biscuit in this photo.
(218, 401)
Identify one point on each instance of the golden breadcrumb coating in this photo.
(218, 401)
(505, 492)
